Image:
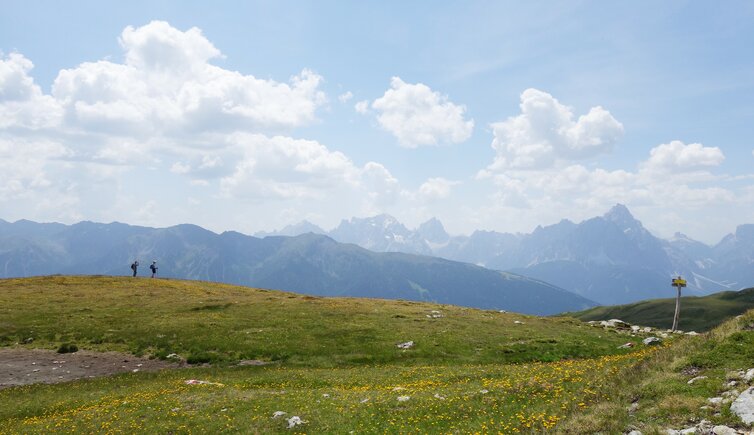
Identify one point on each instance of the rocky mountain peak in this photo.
(433, 231)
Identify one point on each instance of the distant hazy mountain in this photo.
(308, 263)
(610, 259)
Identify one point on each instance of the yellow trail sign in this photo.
(678, 282)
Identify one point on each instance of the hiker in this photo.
(153, 266)
(134, 266)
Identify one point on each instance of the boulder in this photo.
(724, 430)
(698, 378)
(749, 376)
(743, 406)
(649, 341)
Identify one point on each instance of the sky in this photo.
(253, 115)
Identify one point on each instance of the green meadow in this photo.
(335, 364)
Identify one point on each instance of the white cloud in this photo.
(436, 188)
(362, 107)
(282, 167)
(345, 97)
(418, 116)
(677, 156)
(22, 103)
(168, 86)
(545, 132)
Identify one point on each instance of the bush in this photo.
(68, 348)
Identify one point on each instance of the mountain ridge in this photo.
(611, 258)
(308, 263)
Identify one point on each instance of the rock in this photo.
(406, 345)
(749, 376)
(688, 431)
(635, 328)
(277, 414)
(437, 396)
(698, 378)
(672, 432)
(646, 329)
(484, 391)
(715, 400)
(615, 323)
(502, 311)
(664, 334)
(633, 408)
(403, 398)
(692, 333)
(295, 421)
(724, 430)
(628, 345)
(517, 322)
(635, 432)
(743, 406)
(649, 341)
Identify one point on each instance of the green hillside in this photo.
(338, 368)
(697, 313)
(224, 323)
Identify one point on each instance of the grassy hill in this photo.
(338, 365)
(223, 323)
(697, 313)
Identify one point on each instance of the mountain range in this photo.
(309, 263)
(610, 259)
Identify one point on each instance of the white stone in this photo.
(743, 406)
(651, 340)
(688, 431)
(749, 376)
(635, 328)
(715, 400)
(635, 432)
(437, 396)
(277, 414)
(672, 432)
(518, 322)
(647, 329)
(403, 398)
(406, 345)
(698, 378)
(724, 430)
(295, 421)
(692, 333)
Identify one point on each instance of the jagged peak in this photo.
(619, 212)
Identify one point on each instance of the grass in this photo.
(697, 313)
(209, 322)
(339, 369)
(659, 385)
(519, 398)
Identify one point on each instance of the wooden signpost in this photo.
(677, 283)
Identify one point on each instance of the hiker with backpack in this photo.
(153, 266)
(134, 266)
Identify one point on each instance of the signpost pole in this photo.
(677, 283)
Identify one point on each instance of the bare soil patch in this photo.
(19, 366)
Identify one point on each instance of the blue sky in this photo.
(487, 115)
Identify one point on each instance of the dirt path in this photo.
(20, 366)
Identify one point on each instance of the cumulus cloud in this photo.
(168, 85)
(546, 132)
(436, 188)
(163, 125)
(345, 97)
(362, 107)
(678, 156)
(22, 103)
(417, 115)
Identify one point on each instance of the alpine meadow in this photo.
(332, 217)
